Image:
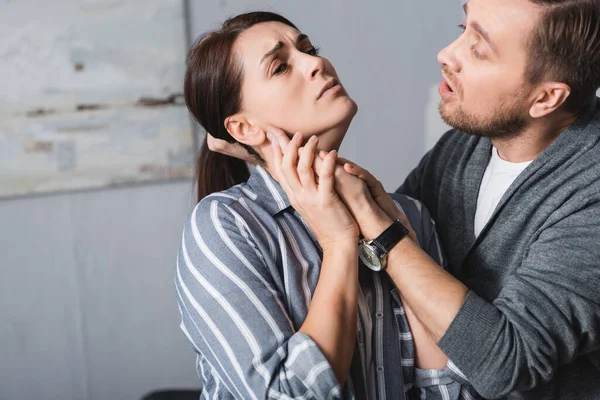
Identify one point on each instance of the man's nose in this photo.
(448, 56)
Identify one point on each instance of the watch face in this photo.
(369, 257)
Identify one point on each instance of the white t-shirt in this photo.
(498, 177)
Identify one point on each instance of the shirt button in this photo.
(379, 315)
(380, 368)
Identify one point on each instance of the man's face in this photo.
(484, 91)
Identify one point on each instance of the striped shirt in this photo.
(246, 272)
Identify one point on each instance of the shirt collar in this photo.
(271, 195)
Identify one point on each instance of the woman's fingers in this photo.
(305, 164)
(339, 161)
(289, 164)
(279, 136)
(277, 160)
(326, 174)
(317, 162)
(279, 142)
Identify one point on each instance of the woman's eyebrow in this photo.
(301, 37)
(279, 45)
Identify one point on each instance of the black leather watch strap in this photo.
(390, 237)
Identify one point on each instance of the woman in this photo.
(272, 297)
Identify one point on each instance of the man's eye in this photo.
(476, 53)
(281, 68)
(462, 27)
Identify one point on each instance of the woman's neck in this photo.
(328, 140)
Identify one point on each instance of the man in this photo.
(515, 192)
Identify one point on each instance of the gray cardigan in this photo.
(530, 324)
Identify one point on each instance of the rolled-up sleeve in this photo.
(236, 319)
(547, 314)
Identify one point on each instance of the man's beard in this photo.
(507, 122)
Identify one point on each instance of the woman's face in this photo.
(287, 85)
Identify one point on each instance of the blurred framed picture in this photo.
(91, 94)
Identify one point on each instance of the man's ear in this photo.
(549, 98)
(244, 130)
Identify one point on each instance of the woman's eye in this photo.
(313, 51)
(281, 68)
(462, 27)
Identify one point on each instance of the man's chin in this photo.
(447, 115)
(496, 128)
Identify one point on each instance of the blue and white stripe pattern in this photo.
(246, 271)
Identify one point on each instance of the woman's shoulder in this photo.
(234, 209)
(412, 208)
(219, 204)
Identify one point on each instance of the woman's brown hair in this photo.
(212, 92)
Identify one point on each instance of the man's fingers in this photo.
(342, 161)
(229, 149)
(213, 144)
(363, 174)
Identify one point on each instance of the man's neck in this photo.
(534, 139)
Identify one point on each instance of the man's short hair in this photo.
(565, 47)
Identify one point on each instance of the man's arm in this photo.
(547, 314)
(434, 295)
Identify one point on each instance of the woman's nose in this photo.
(315, 66)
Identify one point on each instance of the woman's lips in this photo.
(330, 87)
(331, 91)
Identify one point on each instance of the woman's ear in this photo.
(244, 130)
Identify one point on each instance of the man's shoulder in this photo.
(454, 140)
(454, 150)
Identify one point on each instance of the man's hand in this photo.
(366, 199)
(378, 193)
(229, 149)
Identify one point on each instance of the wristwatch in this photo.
(373, 253)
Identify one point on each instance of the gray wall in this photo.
(385, 54)
(86, 297)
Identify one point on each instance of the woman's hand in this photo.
(317, 202)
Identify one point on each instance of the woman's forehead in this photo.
(261, 38)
